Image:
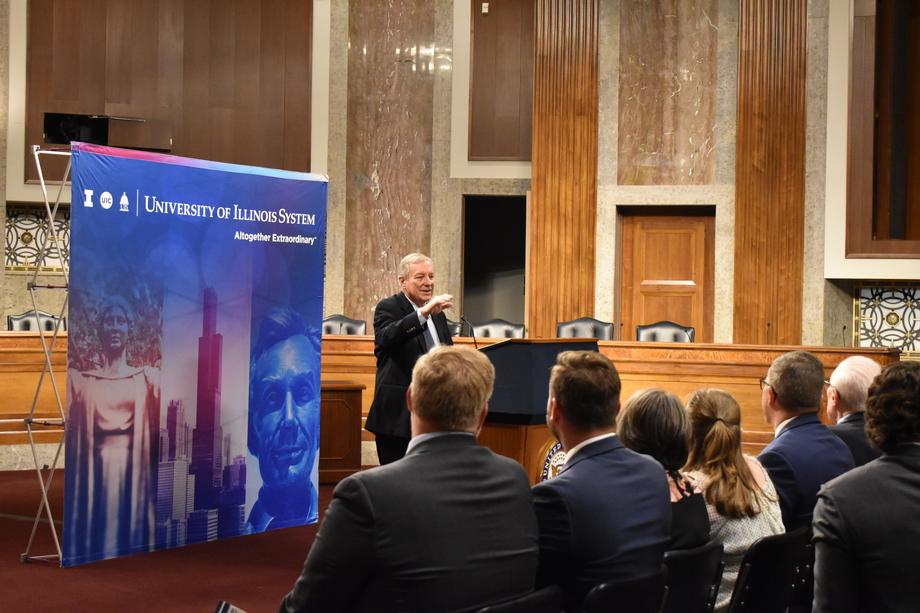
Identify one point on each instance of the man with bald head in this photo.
(846, 405)
(407, 325)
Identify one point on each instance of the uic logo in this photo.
(106, 201)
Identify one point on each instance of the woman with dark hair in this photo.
(867, 537)
(741, 500)
(653, 422)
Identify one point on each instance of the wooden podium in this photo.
(516, 424)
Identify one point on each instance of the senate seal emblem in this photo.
(553, 461)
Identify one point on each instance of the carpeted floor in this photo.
(252, 572)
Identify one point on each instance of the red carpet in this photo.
(252, 572)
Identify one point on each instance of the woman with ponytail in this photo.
(654, 422)
(741, 500)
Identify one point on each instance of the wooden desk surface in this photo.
(680, 368)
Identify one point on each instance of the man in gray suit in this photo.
(867, 537)
(450, 527)
(846, 402)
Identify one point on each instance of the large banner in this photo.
(193, 381)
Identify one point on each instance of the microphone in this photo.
(472, 332)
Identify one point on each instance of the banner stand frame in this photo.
(48, 341)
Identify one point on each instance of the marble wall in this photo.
(627, 175)
(667, 91)
(437, 203)
(388, 159)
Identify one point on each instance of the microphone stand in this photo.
(472, 332)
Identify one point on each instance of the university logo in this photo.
(106, 200)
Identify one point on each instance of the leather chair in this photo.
(546, 600)
(339, 324)
(694, 576)
(647, 595)
(498, 328)
(665, 332)
(585, 327)
(27, 321)
(455, 327)
(770, 571)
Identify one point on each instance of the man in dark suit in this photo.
(804, 454)
(406, 326)
(846, 401)
(450, 527)
(867, 537)
(607, 515)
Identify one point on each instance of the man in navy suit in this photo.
(406, 326)
(846, 405)
(804, 454)
(606, 516)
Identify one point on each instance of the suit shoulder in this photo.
(390, 302)
(504, 464)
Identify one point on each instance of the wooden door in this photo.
(667, 270)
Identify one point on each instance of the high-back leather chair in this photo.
(770, 572)
(339, 324)
(27, 321)
(694, 576)
(665, 332)
(585, 327)
(498, 328)
(545, 600)
(646, 595)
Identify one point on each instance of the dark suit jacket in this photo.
(450, 527)
(852, 431)
(398, 343)
(605, 517)
(800, 460)
(867, 537)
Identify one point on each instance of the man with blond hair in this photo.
(846, 405)
(406, 326)
(450, 527)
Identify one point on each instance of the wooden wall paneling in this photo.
(861, 132)
(866, 234)
(298, 56)
(501, 80)
(770, 172)
(564, 169)
(680, 368)
(228, 81)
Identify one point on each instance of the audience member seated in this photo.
(846, 401)
(867, 537)
(449, 527)
(804, 455)
(742, 503)
(654, 422)
(606, 516)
